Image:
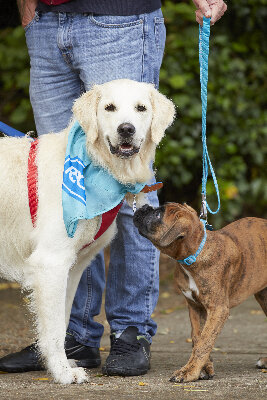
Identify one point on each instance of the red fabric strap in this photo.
(54, 2)
(107, 219)
(32, 180)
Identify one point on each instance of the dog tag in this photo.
(134, 204)
(209, 227)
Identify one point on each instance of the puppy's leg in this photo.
(216, 318)
(261, 298)
(49, 294)
(198, 316)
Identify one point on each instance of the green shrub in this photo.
(236, 115)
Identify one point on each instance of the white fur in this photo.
(44, 259)
(192, 286)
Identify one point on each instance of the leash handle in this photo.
(204, 34)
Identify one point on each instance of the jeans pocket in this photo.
(160, 36)
(114, 21)
(30, 24)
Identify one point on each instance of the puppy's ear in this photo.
(84, 110)
(176, 231)
(163, 115)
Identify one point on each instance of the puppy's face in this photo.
(165, 225)
(124, 117)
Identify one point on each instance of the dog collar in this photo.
(191, 259)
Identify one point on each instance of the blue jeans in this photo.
(69, 53)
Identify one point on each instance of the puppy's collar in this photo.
(191, 259)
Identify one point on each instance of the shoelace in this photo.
(120, 347)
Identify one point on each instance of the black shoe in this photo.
(29, 359)
(129, 354)
(85, 356)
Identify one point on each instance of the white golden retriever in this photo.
(123, 121)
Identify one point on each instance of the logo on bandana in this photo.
(73, 179)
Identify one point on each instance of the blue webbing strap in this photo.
(204, 34)
(191, 259)
(7, 130)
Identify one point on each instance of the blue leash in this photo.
(204, 34)
(7, 130)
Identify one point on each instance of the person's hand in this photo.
(27, 10)
(213, 9)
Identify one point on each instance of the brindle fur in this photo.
(231, 267)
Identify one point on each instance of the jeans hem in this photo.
(82, 341)
(140, 331)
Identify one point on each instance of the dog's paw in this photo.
(204, 375)
(184, 375)
(262, 363)
(207, 372)
(72, 363)
(70, 375)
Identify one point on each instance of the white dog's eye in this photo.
(140, 108)
(110, 107)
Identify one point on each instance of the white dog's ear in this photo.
(163, 114)
(84, 110)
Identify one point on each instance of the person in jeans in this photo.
(73, 45)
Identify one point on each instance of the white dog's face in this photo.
(124, 120)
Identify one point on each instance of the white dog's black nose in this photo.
(126, 130)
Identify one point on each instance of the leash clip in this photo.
(204, 213)
(134, 204)
(203, 209)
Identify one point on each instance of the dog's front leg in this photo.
(198, 315)
(216, 318)
(48, 299)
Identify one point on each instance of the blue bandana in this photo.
(88, 190)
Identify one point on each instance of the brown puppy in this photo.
(231, 266)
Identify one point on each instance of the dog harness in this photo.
(107, 217)
(32, 182)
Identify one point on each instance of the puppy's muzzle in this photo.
(147, 219)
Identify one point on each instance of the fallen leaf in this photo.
(163, 331)
(256, 312)
(142, 384)
(171, 341)
(153, 315)
(264, 371)
(216, 349)
(40, 379)
(9, 285)
(183, 385)
(102, 348)
(167, 311)
(188, 340)
(165, 295)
